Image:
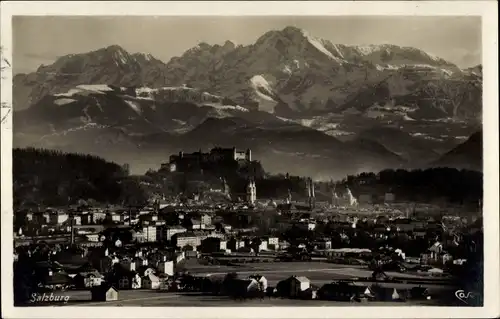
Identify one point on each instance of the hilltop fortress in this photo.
(198, 160)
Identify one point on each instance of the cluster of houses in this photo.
(124, 269)
(206, 232)
(143, 248)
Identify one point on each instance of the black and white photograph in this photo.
(247, 161)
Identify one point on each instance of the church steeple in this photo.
(310, 192)
(251, 192)
(289, 197)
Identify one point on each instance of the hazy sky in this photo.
(40, 40)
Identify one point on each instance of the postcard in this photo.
(250, 159)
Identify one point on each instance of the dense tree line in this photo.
(53, 178)
(449, 184)
(446, 184)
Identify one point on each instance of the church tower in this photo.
(310, 192)
(251, 192)
(289, 197)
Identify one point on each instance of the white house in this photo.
(149, 233)
(298, 284)
(166, 267)
(263, 245)
(151, 281)
(77, 220)
(116, 217)
(261, 280)
(197, 224)
(92, 237)
(273, 241)
(58, 218)
(223, 244)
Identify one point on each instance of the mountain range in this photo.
(303, 104)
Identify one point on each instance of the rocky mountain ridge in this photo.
(282, 92)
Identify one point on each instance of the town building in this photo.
(57, 218)
(206, 219)
(104, 293)
(151, 281)
(194, 238)
(166, 232)
(147, 234)
(293, 286)
(166, 267)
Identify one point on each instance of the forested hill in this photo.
(450, 184)
(53, 178)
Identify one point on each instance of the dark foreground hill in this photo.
(52, 178)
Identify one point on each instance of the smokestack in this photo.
(129, 216)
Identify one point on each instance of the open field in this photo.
(318, 273)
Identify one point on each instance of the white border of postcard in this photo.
(487, 9)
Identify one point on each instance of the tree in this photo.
(256, 242)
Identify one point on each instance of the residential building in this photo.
(223, 244)
(77, 220)
(166, 267)
(148, 234)
(197, 224)
(104, 293)
(194, 238)
(234, 244)
(263, 245)
(166, 232)
(151, 281)
(58, 218)
(293, 286)
(261, 280)
(93, 237)
(272, 241)
(206, 219)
